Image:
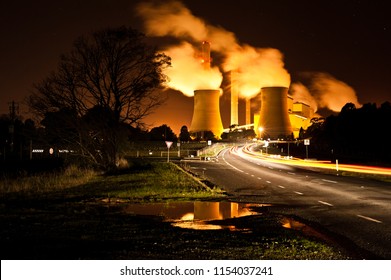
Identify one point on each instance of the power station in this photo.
(273, 117)
(206, 114)
(277, 117)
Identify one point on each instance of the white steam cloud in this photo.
(187, 73)
(255, 67)
(324, 91)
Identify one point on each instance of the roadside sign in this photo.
(168, 143)
(306, 142)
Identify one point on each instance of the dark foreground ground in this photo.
(54, 229)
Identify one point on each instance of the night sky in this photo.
(349, 40)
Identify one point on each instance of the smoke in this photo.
(300, 93)
(324, 91)
(255, 67)
(171, 18)
(187, 73)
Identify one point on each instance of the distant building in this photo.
(300, 115)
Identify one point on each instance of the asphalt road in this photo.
(356, 209)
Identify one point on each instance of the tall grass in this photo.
(69, 177)
(155, 181)
(144, 180)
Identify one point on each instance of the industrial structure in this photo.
(234, 98)
(300, 115)
(278, 116)
(206, 114)
(274, 119)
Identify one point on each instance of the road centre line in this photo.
(291, 173)
(231, 165)
(325, 203)
(268, 182)
(369, 219)
(329, 181)
(299, 193)
(281, 187)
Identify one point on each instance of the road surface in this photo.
(356, 209)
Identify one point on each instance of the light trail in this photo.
(248, 152)
(369, 219)
(325, 203)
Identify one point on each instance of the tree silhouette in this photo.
(184, 135)
(109, 78)
(355, 134)
(162, 133)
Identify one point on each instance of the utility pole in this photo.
(14, 110)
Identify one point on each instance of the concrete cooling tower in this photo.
(206, 115)
(273, 117)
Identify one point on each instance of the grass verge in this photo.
(78, 221)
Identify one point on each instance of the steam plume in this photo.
(256, 67)
(300, 93)
(325, 91)
(187, 73)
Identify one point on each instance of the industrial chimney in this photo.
(274, 118)
(205, 55)
(234, 98)
(206, 114)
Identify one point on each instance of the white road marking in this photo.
(325, 203)
(369, 219)
(268, 182)
(291, 173)
(299, 193)
(259, 178)
(231, 165)
(282, 187)
(329, 181)
(252, 175)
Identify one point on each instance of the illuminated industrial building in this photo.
(273, 116)
(278, 116)
(206, 114)
(300, 115)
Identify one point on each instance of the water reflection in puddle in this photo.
(305, 229)
(195, 215)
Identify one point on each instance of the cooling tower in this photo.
(206, 114)
(274, 118)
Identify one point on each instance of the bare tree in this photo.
(110, 78)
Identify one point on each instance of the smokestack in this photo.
(206, 114)
(205, 55)
(234, 98)
(248, 110)
(274, 118)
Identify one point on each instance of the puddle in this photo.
(305, 229)
(199, 214)
(195, 215)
